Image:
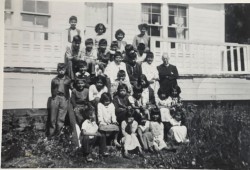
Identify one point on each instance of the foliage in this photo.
(218, 132)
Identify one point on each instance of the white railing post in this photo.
(232, 58)
(239, 59)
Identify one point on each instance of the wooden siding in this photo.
(33, 90)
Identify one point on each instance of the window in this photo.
(178, 22)
(35, 13)
(151, 14)
(8, 12)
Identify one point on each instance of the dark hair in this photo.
(132, 56)
(177, 88)
(156, 111)
(105, 97)
(98, 26)
(143, 77)
(117, 53)
(77, 80)
(89, 41)
(81, 63)
(61, 66)
(141, 46)
(121, 73)
(137, 89)
(130, 113)
(114, 44)
(129, 48)
(73, 18)
(119, 32)
(122, 86)
(102, 42)
(144, 25)
(100, 78)
(149, 54)
(160, 91)
(77, 39)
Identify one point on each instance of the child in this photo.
(60, 86)
(175, 95)
(114, 66)
(121, 102)
(82, 73)
(100, 30)
(106, 117)
(144, 135)
(129, 140)
(150, 71)
(119, 35)
(81, 106)
(97, 89)
(89, 134)
(163, 101)
(121, 75)
(90, 56)
(178, 132)
(112, 51)
(133, 69)
(141, 55)
(72, 55)
(102, 55)
(72, 31)
(142, 37)
(129, 50)
(157, 129)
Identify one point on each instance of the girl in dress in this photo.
(119, 35)
(129, 140)
(107, 118)
(100, 30)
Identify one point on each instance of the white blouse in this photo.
(106, 114)
(149, 70)
(93, 92)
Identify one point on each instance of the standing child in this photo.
(141, 55)
(107, 118)
(60, 86)
(163, 101)
(121, 75)
(100, 30)
(130, 140)
(121, 102)
(72, 30)
(119, 35)
(157, 129)
(89, 133)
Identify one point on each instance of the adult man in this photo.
(168, 74)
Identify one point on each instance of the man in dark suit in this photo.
(168, 74)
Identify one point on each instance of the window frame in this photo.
(160, 26)
(8, 11)
(36, 13)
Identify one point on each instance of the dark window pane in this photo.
(171, 20)
(156, 19)
(28, 20)
(42, 7)
(42, 21)
(29, 5)
(171, 33)
(156, 8)
(155, 31)
(172, 10)
(7, 4)
(149, 19)
(182, 11)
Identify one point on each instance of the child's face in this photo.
(120, 37)
(92, 117)
(114, 48)
(76, 45)
(61, 71)
(121, 78)
(89, 47)
(143, 82)
(100, 30)
(102, 48)
(106, 103)
(130, 119)
(122, 92)
(174, 93)
(137, 95)
(118, 60)
(155, 117)
(99, 84)
(83, 69)
(150, 60)
(80, 84)
(163, 96)
(73, 23)
(143, 31)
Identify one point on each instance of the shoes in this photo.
(186, 141)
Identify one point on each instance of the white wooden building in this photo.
(192, 34)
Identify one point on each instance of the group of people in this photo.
(116, 94)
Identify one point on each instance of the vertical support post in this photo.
(238, 59)
(232, 58)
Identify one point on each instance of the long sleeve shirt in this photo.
(93, 92)
(79, 97)
(60, 85)
(106, 114)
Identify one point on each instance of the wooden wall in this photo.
(25, 90)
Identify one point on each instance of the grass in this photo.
(218, 132)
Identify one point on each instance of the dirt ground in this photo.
(218, 132)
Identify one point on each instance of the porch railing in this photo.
(35, 48)
(203, 58)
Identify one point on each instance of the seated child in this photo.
(178, 132)
(90, 56)
(157, 129)
(107, 118)
(163, 101)
(112, 51)
(144, 135)
(130, 140)
(148, 97)
(133, 69)
(141, 55)
(102, 55)
(119, 35)
(175, 95)
(60, 86)
(121, 75)
(121, 102)
(97, 89)
(89, 135)
(82, 73)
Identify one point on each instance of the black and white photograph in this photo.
(116, 84)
